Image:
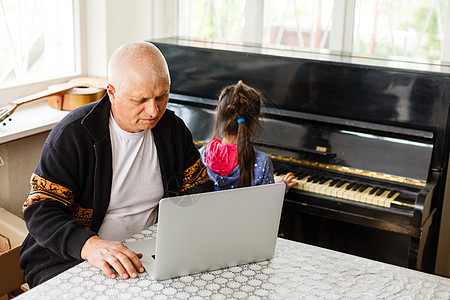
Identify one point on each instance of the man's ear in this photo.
(111, 91)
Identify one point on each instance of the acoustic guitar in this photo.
(66, 96)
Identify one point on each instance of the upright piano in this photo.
(368, 140)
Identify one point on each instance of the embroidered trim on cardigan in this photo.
(45, 190)
(195, 176)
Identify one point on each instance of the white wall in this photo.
(20, 158)
(109, 24)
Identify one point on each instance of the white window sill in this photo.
(29, 119)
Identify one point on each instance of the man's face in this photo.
(139, 103)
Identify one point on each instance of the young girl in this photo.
(230, 157)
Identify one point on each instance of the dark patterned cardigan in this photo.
(70, 187)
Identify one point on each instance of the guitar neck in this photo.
(43, 94)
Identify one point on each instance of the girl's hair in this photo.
(238, 113)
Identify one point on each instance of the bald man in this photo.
(103, 170)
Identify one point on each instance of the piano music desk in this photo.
(296, 271)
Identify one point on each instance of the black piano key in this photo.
(356, 187)
(391, 194)
(323, 180)
(304, 176)
(334, 182)
(379, 192)
(339, 184)
(328, 184)
(362, 188)
(310, 179)
(348, 187)
(373, 191)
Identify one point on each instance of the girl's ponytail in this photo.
(246, 154)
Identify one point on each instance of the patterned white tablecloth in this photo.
(297, 271)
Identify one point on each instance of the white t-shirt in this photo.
(136, 184)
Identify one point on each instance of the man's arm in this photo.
(47, 213)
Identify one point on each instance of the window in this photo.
(306, 24)
(401, 28)
(398, 30)
(37, 40)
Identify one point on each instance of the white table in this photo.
(297, 271)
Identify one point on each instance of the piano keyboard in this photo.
(347, 190)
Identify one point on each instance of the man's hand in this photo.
(105, 254)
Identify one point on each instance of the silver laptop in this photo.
(214, 230)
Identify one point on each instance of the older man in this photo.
(103, 170)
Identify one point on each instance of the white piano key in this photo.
(353, 194)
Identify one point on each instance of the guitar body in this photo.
(75, 98)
